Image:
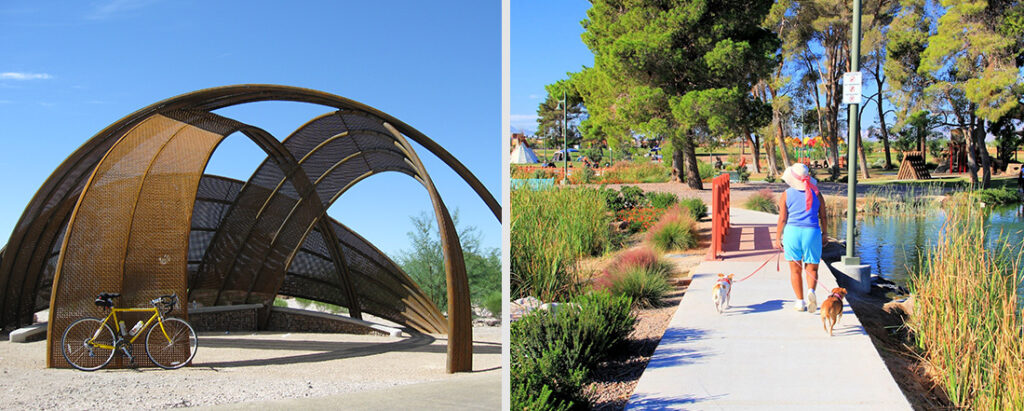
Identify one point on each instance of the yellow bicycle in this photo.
(89, 343)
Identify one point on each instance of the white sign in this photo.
(851, 87)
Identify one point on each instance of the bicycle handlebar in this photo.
(168, 300)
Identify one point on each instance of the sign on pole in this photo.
(851, 87)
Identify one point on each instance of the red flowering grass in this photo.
(675, 230)
(639, 273)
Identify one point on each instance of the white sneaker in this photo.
(812, 301)
(799, 305)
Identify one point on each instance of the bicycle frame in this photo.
(117, 326)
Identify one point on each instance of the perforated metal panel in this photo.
(129, 233)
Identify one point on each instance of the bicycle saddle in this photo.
(104, 299)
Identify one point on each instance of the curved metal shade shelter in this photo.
(131, 212)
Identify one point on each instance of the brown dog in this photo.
(832, 309)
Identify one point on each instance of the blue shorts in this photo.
(802, 244)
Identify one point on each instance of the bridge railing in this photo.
(719, 215)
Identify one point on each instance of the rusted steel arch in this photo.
(220, 97)
(380, 282)
(261, 229)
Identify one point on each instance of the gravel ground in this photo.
(615, 380)
(239, 367)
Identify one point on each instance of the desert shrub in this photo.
(744, 175)
(558, 349)
(492, 302)
(762, 200)
(662, 200)
(632, 196)
(612, 199)
(676, 230)
(696, 206)
(550, 231)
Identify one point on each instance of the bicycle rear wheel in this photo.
(176, 348)
(79, 344)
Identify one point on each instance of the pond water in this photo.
(894, 245)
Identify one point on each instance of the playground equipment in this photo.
(913, 167)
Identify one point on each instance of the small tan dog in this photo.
(832, 309)
(720, 292)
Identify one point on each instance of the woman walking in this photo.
(801, 232)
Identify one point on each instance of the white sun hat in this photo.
(795, 174)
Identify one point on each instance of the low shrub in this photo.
(764, 201)
(696, 206)
(996, 196)
(675, 230)
(553, 353)
(769, 178)
(632, 197)
(662, 200)
(492, 303)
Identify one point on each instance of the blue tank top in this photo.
(799, 215)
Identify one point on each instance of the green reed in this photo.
(550, 231)
(967, 320)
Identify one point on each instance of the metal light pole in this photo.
(851, 145)
(565, 142)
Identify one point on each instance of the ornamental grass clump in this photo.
(550, 231)
(640, 274)
(763, 201)
(967, 316)
(675, 230)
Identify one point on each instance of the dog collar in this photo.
(836, 295)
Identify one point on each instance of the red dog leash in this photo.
(778, 255)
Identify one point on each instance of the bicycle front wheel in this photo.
(88, 344)
(173, 345)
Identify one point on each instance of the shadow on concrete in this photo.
(663, 403)
(669, 356)
(328, 350)
(770, 305)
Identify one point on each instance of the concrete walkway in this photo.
(761, 353)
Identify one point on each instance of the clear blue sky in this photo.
(69, 69)
(546, 44)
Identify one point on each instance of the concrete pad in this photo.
(34, 332)
(761, 353)
(476, 391)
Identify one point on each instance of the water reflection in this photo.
(896, 245)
